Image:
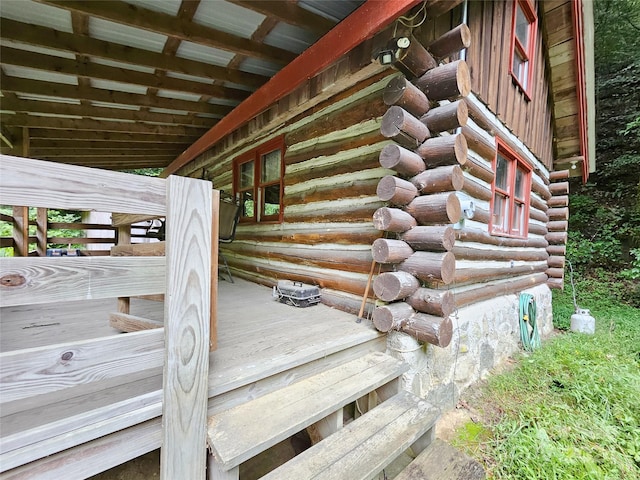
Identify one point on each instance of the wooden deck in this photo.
(263, 345)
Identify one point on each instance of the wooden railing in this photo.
(32, 378)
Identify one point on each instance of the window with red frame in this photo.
(257, 181)
(523, 43)
(511, 191)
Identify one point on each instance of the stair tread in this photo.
(440, 461)
(367, 445)
(242, 432)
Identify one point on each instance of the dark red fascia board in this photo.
(362, 24)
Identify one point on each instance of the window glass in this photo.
(523, 42)
(522, 26)
(246, 174)
(270, 167)
(272, 200)
(248, 204)
(519, 190)
(500, 220)
(517, 219)
(502, 173)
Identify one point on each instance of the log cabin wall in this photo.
(331, 130)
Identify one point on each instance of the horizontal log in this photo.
(430, 266)
(386, 250)
(463, 252)
(402, 127)
(472, 235)
(435, 238)
(538, 215)
(476, 190)
(555, 272)
(403, 161)
(488, 272)
(346, 302)
(556, 283)
(435, 302)
(559, 188)
(399, 91)
(537, 229)
(559, 175)
(427, 328)
(557, 238)
(412, 60)
(436, 208)
(447, 178)
(447, 150)
(559, 201)
(540, 188)
(556, 261)
(491, 290)
(446, 117)
(479, 144)
(479, 117)
(557, 250)
(392, 316)
(558, 226)
(538, 203)
(478, 169)
(395, 190)
(446, 82)
(393, 220)
(390, 286)
(451, 42)
(561, 213)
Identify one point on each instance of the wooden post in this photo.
(436, 208)
(393, 220)
(448, 81)
(399, 91)
(386, 250)
(20, 231)
(447, 178)
(402, 127)
(215, 227)
(438, 238)
(123, 236)
(41, 231)
(403, 161)
(390, 286)
(430, 329)
(446, 117)
(431, 266)
(435, 302)
(395, 190)
(392, 316)
(451, 42)
(449, 150)
(187, 309)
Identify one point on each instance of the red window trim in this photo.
(254, 156)
(515, 160)
(528, 54)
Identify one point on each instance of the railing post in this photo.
(20, 231)
(41, 231)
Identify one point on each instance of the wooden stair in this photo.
(359, 450)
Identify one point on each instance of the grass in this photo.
(570, 410)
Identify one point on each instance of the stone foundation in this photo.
(485, 335)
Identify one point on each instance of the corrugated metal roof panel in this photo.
(259, 66)
(119, 106)
(229, 18)
(36, 49)
(178, 95)
(33, 74)
(290, 37)
(335, 10)
(202, 53)
(126, 66)
(224, 101)
(47, 98)
(37, 14)
(126, 35)
(170, 7)
(53, 115)
(118, 86)
(169, 111)
(184, 76)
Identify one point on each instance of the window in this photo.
(523, 43)
(257, 180)
(510, 195)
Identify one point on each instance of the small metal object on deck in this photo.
(297, 294)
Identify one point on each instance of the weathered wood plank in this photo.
(131, 323)
(187, 315)
(34, 280)
(37, 183)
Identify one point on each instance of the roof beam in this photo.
(91, 125)
(52, 135)
(58, 108)
(290, 13)
(51, 89)
(362, 24)
(162, 23)
(85, 45)
(39, 61)
(75, 144)
(39, 152)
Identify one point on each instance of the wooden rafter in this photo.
(56, 134)
(157, 22)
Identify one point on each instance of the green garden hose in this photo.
(530, 340)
